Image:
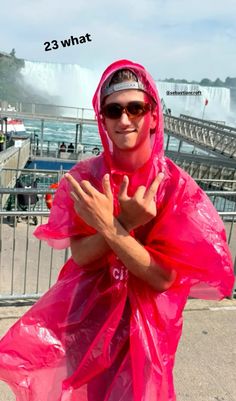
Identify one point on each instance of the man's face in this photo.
(130, 133)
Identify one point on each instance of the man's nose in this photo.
(124, 118)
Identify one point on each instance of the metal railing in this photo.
(212, 136)
(201, 169)
(209, 123)
(218, 185)
(44, 177)
(53, 149)
(29, 267)
(215, 139)
(39, 109)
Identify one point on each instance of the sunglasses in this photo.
(133, 109)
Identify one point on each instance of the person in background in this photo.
(62, 147)
(2, 141)
(143, 237)
(71, 148)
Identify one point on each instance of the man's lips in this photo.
(125, 132)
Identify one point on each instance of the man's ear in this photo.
(103, 120)
(154, 115)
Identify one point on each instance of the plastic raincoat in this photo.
(100, 333)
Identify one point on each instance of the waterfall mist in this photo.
(74, 86)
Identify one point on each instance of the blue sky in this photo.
(172, 38)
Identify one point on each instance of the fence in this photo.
(209, 184)
(53, 149)
(37, 109)
(29, 267)
(13, 159)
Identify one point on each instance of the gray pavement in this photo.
(205, 367)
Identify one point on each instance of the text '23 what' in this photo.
(73, 40)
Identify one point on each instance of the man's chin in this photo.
(127, 148)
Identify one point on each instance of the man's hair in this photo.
(126, 75)
(123, 75)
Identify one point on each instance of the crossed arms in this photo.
(96, 209)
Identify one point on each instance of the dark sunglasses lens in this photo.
(136, 108)
(113, 110)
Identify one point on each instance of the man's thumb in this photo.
(107, 186)
(124, 187)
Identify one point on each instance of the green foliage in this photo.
(218, 83)
(13, 53)
(12, 85)
(228, 83)
(10, 68)
(206, 82)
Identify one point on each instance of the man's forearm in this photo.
(88, 249)
(133, 255)
(136, 258)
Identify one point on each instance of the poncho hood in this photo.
(157, 155)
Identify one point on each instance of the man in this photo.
(131, 139)
(143, 237)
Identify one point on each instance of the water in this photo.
(61, 132)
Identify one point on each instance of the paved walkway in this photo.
(206, 359)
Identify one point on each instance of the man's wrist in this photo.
(109, 231)
(128, 227)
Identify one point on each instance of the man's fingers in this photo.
(71, 180)
(107, 186)
(124, 188)
(74, 196)
(77, 202)
(75, 185)
(152, 190)
(87, 187)
(140, 192)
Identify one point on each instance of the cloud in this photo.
(179, 38)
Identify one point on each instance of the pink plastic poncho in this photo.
(100, 333)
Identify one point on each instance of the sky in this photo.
(171, 38)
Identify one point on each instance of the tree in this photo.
(13, 53)
(230, 82)
(218, 83)
(206, 82)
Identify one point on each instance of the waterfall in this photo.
(75, 86)
(218, 107)
(72, 84)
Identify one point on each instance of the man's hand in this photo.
(94, 207)
(141, 208)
